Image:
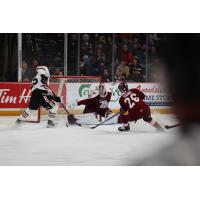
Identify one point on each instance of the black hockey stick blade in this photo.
(172, 126)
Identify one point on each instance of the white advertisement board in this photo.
(156, 95)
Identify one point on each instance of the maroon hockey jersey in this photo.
(132, 105)
(97, 104)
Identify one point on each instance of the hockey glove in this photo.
(71, 119)
(53, 97)
(57, 99)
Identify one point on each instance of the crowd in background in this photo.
(42, 49)
(134, 57)
(112, 56)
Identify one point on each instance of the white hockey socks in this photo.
(52, 113)
(26, 114)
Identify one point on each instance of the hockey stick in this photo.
(172, 126)
(65, 109)
(93, 127)
(59, 94)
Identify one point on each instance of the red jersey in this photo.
(126, 57)
(130, 99)
(133, 106)
(97, 104)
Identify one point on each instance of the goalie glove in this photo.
(71, 119)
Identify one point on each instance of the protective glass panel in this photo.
(42, 49)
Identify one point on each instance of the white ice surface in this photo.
(34, 144)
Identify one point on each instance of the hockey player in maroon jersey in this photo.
(133, 107)
(97, 104)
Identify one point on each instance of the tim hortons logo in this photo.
(25, 97)
(6, 98)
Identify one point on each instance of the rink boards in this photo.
(14, 97)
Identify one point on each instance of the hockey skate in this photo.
(124, 128)
(158, 127)
(50, 124)
(18, 122)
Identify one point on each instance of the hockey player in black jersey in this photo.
(41, 96)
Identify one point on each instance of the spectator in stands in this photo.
(31, 70)
(34, 63)
(119, 76)
(25, 74)
(102, 42)
(136, 71)
(140, 52)
(58, 72)
(125, 55)
(151, 40)
(109, 48)
(85, 44)
(98, 63)
(136, 75)
(58, 59)
(154, 70)
(86, 65)
(106, 76)
(85, 38)
(152, 54)
(122, 69)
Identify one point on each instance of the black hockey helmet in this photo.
(123, 86)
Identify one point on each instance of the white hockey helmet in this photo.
(102, 89)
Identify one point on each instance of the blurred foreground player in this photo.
(41, 96)
(133, 108)
(97, 104)
(180, 58)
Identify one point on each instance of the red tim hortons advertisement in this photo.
(14, 95)
(17, 95)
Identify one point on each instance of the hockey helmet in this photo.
(123, 87)
(102, 89)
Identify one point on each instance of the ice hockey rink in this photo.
(34, 144)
